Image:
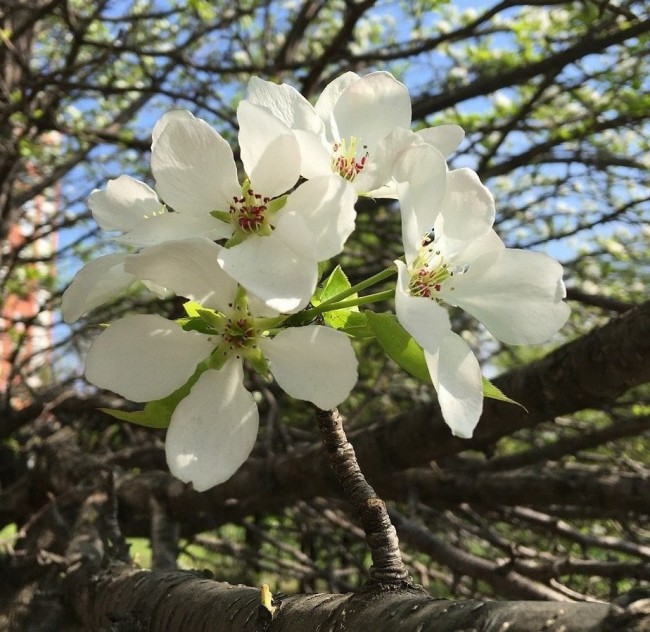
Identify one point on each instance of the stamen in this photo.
(430, 271)
(239, 333)
(429, 238)
(344, 159)
(248, 212)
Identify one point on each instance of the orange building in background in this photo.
(26, 321)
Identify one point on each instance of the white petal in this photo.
(257, 308)
(488, 243)
(286, 103)
(171, 226)
(212, 430)
(97, 282)
(145, 357)
(412, 233)
(313, 363)
(330, 95)
(456, 376)
(269, 150)
(193, 166)
(425, 170)
(386, 191)
(445, 138)
(189, 268)
(125, 202)
(467, 211)
(326, 204)
(516, 294)
(377, 170)
(164, 120)
(371, 107)
(315, 155)
(279, 268)
(422, 317)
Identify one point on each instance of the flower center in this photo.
(429, 271)
(238, 336)
(239, 333)
(248, 212)
(345, 161)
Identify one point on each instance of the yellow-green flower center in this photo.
(430, 270)
(248, 212)
(239, 333)
(345, 161)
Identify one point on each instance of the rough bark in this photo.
(132, 599)
(106, 594)
(614, 493)
(387, 567)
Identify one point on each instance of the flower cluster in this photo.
(246, 252)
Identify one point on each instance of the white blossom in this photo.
(146, 357)
(453, 256)
(348, 130)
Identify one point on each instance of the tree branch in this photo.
(387, 568)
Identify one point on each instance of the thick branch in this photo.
(613, 493)
(175, 601)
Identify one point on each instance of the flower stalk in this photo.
(359, 287)
(353, 302)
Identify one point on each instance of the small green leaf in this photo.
(336, 283)
(192, 308)
(277, 204)
(349, 319)
(493, 392)
(195, 324)
(158, 414)
(344, 318)
(399, 344)
(138, 417)
(223, 216)
(212, 319)
(257, 360)
(356, 325)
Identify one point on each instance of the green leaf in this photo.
(212, 319)
(158, 414)
(399, 344)
(349, 319)
(195, 324)
(336, 283)
(192, 308)
(493, 392)
(138, 417)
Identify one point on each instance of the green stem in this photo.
(359, 287)
(337, 302)
(353, 302)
